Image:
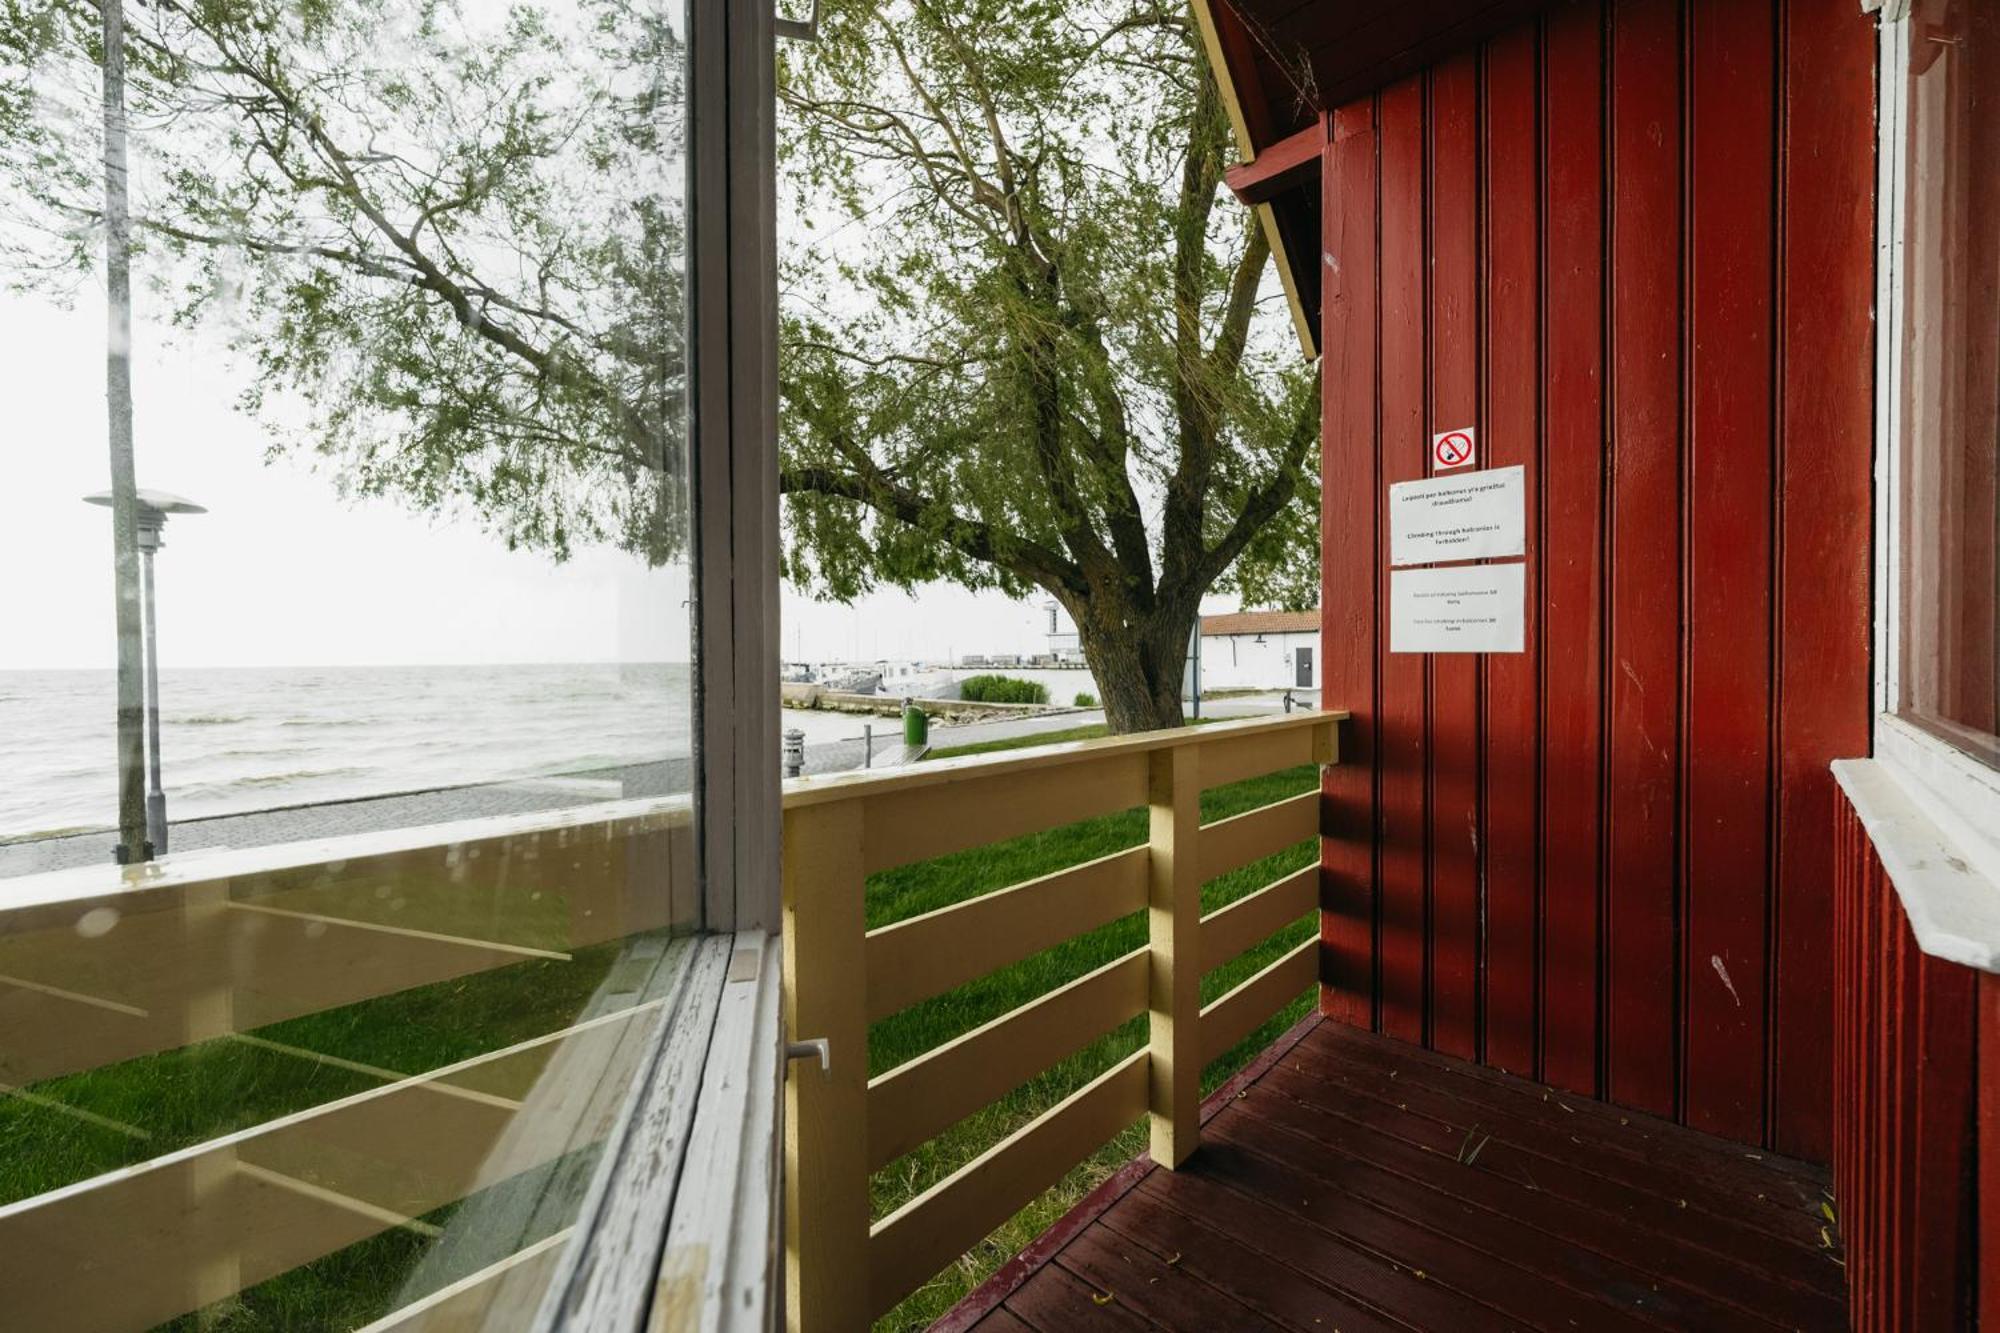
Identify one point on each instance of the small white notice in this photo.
(1475, 609)
(1467, 516)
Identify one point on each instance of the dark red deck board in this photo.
(1787, 1208)
(1001, 1321)
(1323, 1200)
(1056, 1300)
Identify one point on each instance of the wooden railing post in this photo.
(1173, 919)
(826, 1113)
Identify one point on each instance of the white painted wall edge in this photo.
(1954, 909)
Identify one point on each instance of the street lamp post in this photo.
(152, 510)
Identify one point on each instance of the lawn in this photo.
(85, 1124)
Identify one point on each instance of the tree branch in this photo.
(973, 538)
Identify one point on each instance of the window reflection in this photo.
(1951, 431)
(408, 321)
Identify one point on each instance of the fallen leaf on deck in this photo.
(1102, 1297)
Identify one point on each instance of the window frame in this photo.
(1940, 769)
(711, 1089)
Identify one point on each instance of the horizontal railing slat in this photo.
(137, 1241)
(1235, 758)
(977, 809)
(1237, 1014)
(91, 981)
(928, 955)
(1229, 931)
(841, 788)
(914, 1242)
(476, 1301)
(1230, 844)
(911, 1104)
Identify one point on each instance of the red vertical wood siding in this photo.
(1630, 241)
(1511, 435)
(1403, 879)
(1826, 365)
(1642, 965)
(1570, 561)
(1987, 1220)
(1453, 835)
(1348, 900)
(1917, 1146)
(1727, 760)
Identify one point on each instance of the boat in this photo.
(918, 680)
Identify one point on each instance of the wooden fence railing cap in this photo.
(802, 792)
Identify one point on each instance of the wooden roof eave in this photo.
(1225, 83)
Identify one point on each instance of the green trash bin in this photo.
(916, 726)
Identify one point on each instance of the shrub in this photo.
(1085, 699)
(1003, 690)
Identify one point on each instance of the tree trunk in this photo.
(1137, 661)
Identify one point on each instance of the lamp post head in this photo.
(154, 506)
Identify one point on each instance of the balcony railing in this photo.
(162, 989)
(102, 970)
(842, 1125)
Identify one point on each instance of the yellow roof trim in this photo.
(1226, 85)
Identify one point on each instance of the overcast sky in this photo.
(283, 572)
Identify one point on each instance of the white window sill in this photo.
(1952, 901)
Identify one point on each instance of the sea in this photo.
(234, 740)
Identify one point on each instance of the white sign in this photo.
(1476, 609)
(1474, 516)
(1453, 448)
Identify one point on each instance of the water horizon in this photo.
(241, 739)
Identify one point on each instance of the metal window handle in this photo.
(809, 1049)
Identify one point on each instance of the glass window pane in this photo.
(1952, 392)
(406, 683)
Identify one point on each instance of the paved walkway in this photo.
(526, 795)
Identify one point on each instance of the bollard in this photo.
(795, 752)
(868, 745)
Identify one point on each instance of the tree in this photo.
(1036, 345)
(452, 238)
(448, 244)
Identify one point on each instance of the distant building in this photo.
(1266, 650)
(1065, 647)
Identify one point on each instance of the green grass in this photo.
(82, 1125)
(178, 1098)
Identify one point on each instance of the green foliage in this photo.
(1085, 699)
(1030, 341)
(1003, 690)
(445, 241)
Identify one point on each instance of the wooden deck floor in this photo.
(1357, 1183)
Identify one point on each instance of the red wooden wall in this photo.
(1632, 243)
(1917, 1141)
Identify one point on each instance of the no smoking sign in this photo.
(1452, 448)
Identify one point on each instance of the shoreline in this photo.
(39, 853)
